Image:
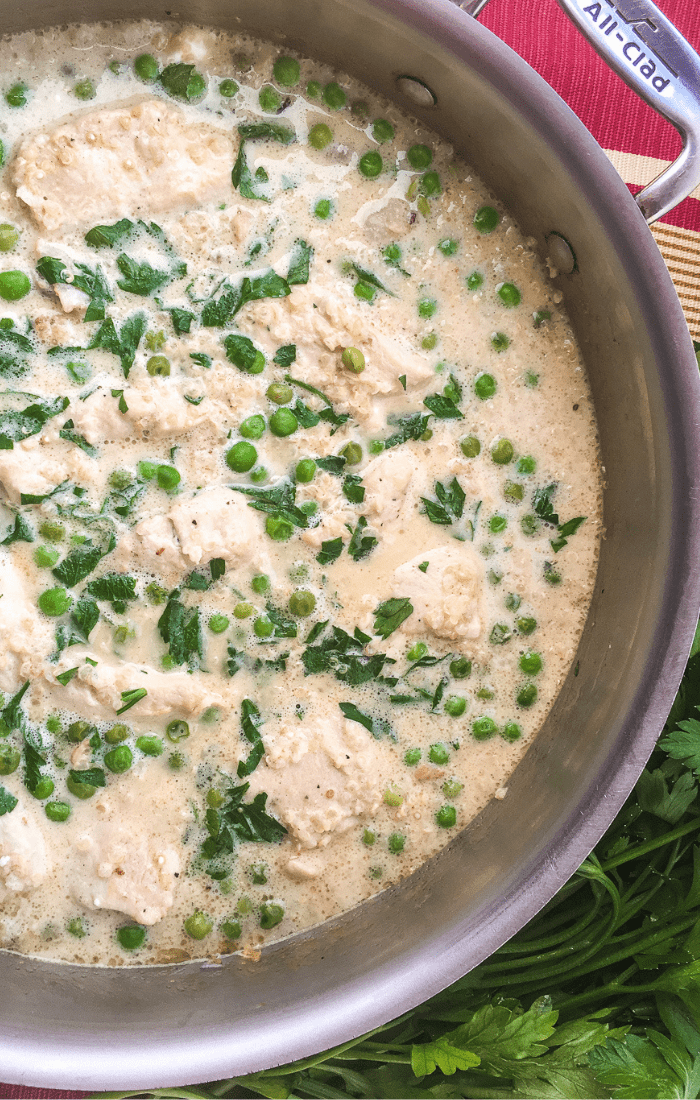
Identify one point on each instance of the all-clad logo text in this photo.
(632, 51)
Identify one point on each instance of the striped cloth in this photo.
(636, 140)
(639, 143)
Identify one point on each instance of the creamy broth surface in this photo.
(300, 495)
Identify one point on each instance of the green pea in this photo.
(509, 294)
(8, 237)
(485, 386)
(511, 732)
(369, 837)
(177, 730)
(412, 757)
(320, 136)
(497, 524)
(483, 728)
(305, 471)
(452, 787)
(146, 68)
(84, 89)
(427, 434)
(474, 280)
(286, 71)
(427, 308)
(57, 811)
(460, 668)
(448, 246)
(78, 731)
(176, 761)
(428, 342)
(45, 558)
(323, 209)
(393, 797)
(438, 753)
(526, 625)
(376, 446)
(258, 475)
(500, 634)
(149, 745)
(430, 184)
(269, 99)
(271, 913)
(371, 164)
(513, 601)
(417, 651)
(231, 929)
(359, 108)
(218, 624)
(353, 360)
(147, 470)
(495, 576)
(167, 477)
(334, 96)
(485, 693)
(530, 663)
(309, 507)
(243, 610)
(551, 573)
(54, 532)
(502, 452)
(352, 453)
(75, 927)
(364, 291)
(279, 392)
(470, 446)
(529, 524)
(513, 492)
(158, 365)
(253, 427)
(446, 817)
(302, 603)
(263, 627)
(17, 95)
(131, 936)
(241, 457)
(419, 157)
(14, 285)
(120, 479)
(116, 734)
(313, 89)
(119, 760)
(43, 788)
(260, 584)
(9, 759)
(527, 695)
(83, 791)
(198, 925)
(499, 341)
(486, 219)
(259, 873)
(283, 422)
(526, 465)
(396, 843)
(228, 88)
(455, 706)
(382, 130)
(54, 601)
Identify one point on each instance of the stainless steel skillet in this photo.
(85, 1028)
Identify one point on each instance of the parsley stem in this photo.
(652, 845)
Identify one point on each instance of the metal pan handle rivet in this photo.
(416, 90)
(561, 254)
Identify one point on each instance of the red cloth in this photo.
(616, 117)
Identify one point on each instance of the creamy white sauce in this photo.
(479, 592)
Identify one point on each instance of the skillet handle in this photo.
(643, 47)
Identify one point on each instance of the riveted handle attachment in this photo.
(640, 44)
